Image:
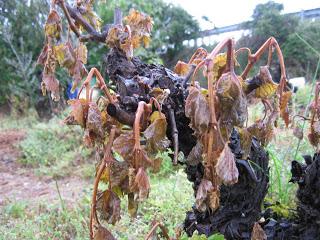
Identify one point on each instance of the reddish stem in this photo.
(154, 228)
(101, 84)
(106, 158)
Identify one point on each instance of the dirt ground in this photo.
(18, 183)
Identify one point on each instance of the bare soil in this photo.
(18, 183)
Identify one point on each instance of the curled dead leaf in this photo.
(108, 205)
(52, 85)
(79, 112)
(116, 174)
(226, 167)
(155, 134)
(140, 158)
(182, 68)
(141, 185)
(103, 234)
(205, 187)
(268, 87)
(314, 135)
(82, 52)
(197, 110)
(124, 145)
(53, 25)
(94, 121)
(43, 55)
(258, 233)
(284, 111)
(132, 205)
(195, 156)
(232, 102)
(64, 54)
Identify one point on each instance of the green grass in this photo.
(19, 122)
(54, 149)
(169, 199)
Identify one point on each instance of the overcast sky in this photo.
(227, 12)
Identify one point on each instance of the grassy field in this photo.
(51, 153)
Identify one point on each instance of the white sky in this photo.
(227, 12)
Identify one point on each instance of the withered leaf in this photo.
(78, 71)
(90, 15)
(245, 141)
(182, 68)
(82, 53)
(124, 145)
(53, 25)
(214, 199)
(140, 23)
(64, 54)
(94, 121)
(226, 167)
(132, 205)
(156, 165)
(314, 135)
(140, 159)
(232, 101)
(204, 189)
(258, 233)
(108, 205)
(79, 111)
(103, 234)
(220, 62)
(268, 87)
(195, 156)
(284, 112)
(155, 134)
(52, 85)
(263, 131)
(197, 110)
(116, 173)
(43, 55)
(141, 185)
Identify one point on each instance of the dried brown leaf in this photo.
(182, 68)
(52, 85)
(155, 134)
(82, 53)
(132, 205)
(284, 112)
(79, 111)
(232, 102)
(141, 185)
(258, 233)
(124, 145)
(94, 121)
(108, 205)
(53, 25)
(116, 174)
(214, 199)
(245, 141)
(197, 110)
(268, 87)
(103, 234)
(195, 156)
(65, 55)
(226, 167)
(140, 159)
(43, 55)
(205, 187)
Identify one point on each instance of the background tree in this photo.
(20, 44)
